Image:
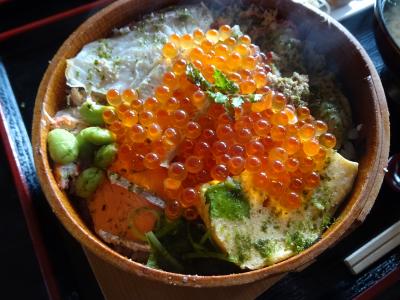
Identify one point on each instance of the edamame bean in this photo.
(63, 146)
(92, 113)
(88, 181)
(105, 156)
(97, 135)
(86, 149)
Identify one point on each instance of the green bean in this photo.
(97, 136)
(88, 181)
(63, 146)
(105, 156)
(92, 113)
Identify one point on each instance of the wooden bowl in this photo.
(350, 62)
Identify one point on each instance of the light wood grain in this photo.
(374, 249)
(119, 285)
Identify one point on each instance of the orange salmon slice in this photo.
(112, 206)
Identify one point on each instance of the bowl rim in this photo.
(90, 241)
(378, 9)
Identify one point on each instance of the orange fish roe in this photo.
(282, 148)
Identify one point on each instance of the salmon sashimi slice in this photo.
(151, 180)
(121, 212)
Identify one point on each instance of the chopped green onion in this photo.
(135, 214)
(152, 262)
(196, 246)
(167, 227)
(205, 237)
(158, 248)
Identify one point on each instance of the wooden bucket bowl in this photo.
(354, 70)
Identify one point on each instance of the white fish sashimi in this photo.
(133, 59)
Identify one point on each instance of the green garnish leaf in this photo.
(195, 76)
(237, 101)
(297, 241)
(218, 97)
(223, 84)
(255, 97)
(223, 91)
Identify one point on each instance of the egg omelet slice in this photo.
(254, 236)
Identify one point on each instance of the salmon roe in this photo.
(281, 147)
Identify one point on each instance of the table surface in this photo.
(26, 57)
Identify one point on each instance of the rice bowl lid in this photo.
(357, 73)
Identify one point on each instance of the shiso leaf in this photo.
(255, 97)
(223, 84)
(218, 97)
(195, 76)
(237, 101)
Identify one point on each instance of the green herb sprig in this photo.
(223, 91)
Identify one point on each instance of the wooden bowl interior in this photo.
(344, 55)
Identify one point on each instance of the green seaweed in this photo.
(227, 201)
